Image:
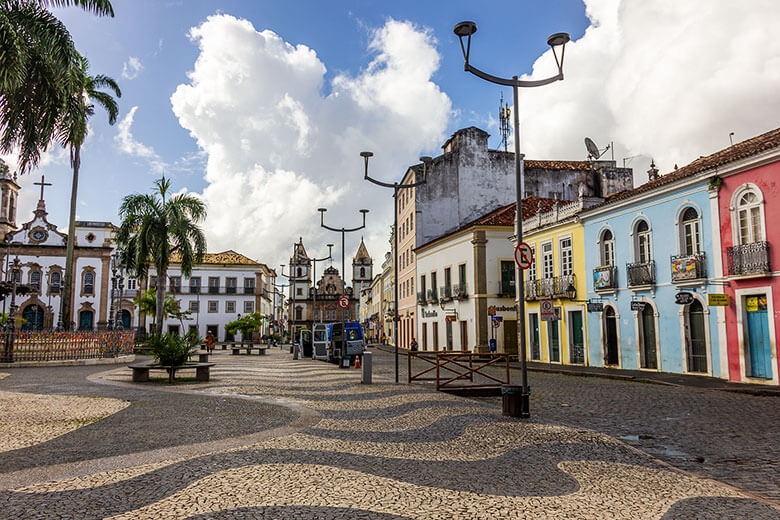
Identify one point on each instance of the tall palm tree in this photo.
(80, 106)
(36, 53)
(153, 228)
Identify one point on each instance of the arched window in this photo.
(642, 243)
(89, 283)
(691, 237)
(362, 272)
(298, 313)
(35, 280)
(299, 272)
(607, 248)
(55, 280)
(749, 218)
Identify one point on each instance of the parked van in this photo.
(320, 341)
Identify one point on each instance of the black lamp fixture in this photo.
(571, 291)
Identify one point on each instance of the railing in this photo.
(555, 287)
(688, 267)
(194, 289)
(531, 290)
(421, 297)
(230, 289)
(460, 291)
(562, 285)
(249, 290)
(605, 278)
(433, 297)
(451, 369)
(213, 289)
(748, 258)
(446, 293)
(50, 346)
(641, 273)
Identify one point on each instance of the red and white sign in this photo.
(547, 310)
(343, 302)
(524, 256)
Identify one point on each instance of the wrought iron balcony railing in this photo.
(433, 296)
(194, 289)
(748, 258)
(213, 289)
(688, 267)
(460, 291)
(230, 289)
(562, 286)
(641, 273)
(249, 290)
(605, 278)
(545, 288)
(445, 293)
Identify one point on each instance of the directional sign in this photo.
(718, 300)
(683, 298)
(547, 310)
(343, 302)
(524, 255)
(499, 319)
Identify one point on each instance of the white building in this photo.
(219, 290)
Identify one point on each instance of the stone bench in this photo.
(260, 350)
(141, 372)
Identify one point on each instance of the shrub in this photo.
(170, 349)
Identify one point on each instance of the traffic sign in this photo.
(524, 255)
(496, 324)
(547, 310)
(343, 302)
(498, 318)
(683, 298)
(718, 300)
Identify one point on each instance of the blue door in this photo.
(758, 341)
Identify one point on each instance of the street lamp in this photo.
(291, 319)
(343, 232)
(396, 187)
(466, 30)
(314, 281)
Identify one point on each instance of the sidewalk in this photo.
(640, 376)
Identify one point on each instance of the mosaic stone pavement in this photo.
(380, 451)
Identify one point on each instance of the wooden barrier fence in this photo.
(450, 368)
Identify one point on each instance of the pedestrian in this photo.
(414, 344)
(210, 341)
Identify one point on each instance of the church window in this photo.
(298, 272)
(35, 280)
(131, 283)
(89, 283)
(362, 272)
(55, 279)
(298, 313)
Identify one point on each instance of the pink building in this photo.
(748, 204)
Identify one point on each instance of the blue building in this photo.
(643, 247)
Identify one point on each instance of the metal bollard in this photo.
(366, 366)
(295, 351)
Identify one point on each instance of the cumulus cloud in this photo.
(281, 141)
(667, 80)
(132, 68)
(127, 143)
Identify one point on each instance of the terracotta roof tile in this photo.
(228, 257)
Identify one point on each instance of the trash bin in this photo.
(512, 405)
(366, 375)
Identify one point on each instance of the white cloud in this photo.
(667, 80)
(129, 145)
(278, 148)
(132, 68)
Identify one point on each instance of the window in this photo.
(507, 277)
(433, 283)
(213, 285)
(230, 307)
(175, 284)
(749, 217)
(462, 274)
(298, 313)
(152, 282)
(35, 280)
(55, 280)
(422, 285)
(89, 283)
(194, 306)
(298, 291)
(249, 286)
(567, 259)
(532, 270)
(607, 248)
(230, 285)
(691, 241)
(213, 306)
(547, 260)
(249, 307)
(362, 272)
(447, 278)
(298, 272)
(194, 284)
(643, 253)
(131, 283)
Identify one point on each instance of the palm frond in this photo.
(98, 7)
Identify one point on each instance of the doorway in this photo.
(533, 328)
(33, 316)
(86, 320)
(448, 328)
(695, 337)
(464, 336)
(435, 330)
(647, 337)
(553, 342)
(577, 342)
(214, 329)
(759, 347)
(610, 337)
(125, 318)
(510, 336)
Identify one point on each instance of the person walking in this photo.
(210, 341)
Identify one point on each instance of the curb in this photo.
(129, 358)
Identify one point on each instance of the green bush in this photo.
(170, 349)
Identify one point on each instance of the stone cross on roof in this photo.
(42, 184)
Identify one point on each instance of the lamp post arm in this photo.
(380, 183)
(512, 82)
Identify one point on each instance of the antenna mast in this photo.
(504, 113)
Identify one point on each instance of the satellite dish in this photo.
(593, 150)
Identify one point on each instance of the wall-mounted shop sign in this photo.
(595, 307)
(683, 298)
(505, 308)
(637, 305)
(429, 314)
(718, 300)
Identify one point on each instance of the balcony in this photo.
(213, 289)
(748, 259)
(531, 290)
(562, 284)
(432, 296)
(230, 289)
(249, 290)
(546, 288)
(446, 293)
(459, 291)
(605, 278)
(641, 274)
(421, 297)
(688, 267)
(194, 289)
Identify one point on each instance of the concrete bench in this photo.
(260, 350)
(141, 372)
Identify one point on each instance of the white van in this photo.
(320, 341)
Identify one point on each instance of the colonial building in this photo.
(219, 290)
(41, 250)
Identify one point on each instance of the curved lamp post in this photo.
(396, 187)
(343, 232)
(466, 30)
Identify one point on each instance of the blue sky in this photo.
(616, 90)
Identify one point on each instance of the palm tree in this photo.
(36, 55)
(155, 227)
(80, 106)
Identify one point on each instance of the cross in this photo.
(42, 184)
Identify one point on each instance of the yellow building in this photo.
(557, 279)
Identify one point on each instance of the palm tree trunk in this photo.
(161, 277)
(66, 310)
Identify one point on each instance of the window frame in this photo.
(643, 242)
(607, 248)
(565, 269)
(736, 209)
(551, 258)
